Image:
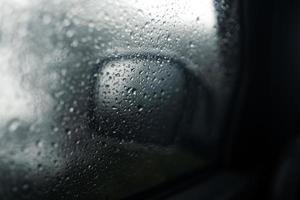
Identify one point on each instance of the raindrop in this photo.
(14, 125)
(71, 110)
(25, 187)
(40, 167)
(15, 189)
(191, 44)
(70, 33)
(140, 108)
(39, 143)
(131, 90)
(140, 12)
(74, 43)
(69, 132)
(54, 144)
(47, 19)
(169, 38)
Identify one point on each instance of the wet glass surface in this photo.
(108, 98)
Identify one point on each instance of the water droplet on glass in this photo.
(25, 187)
(14, 125)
